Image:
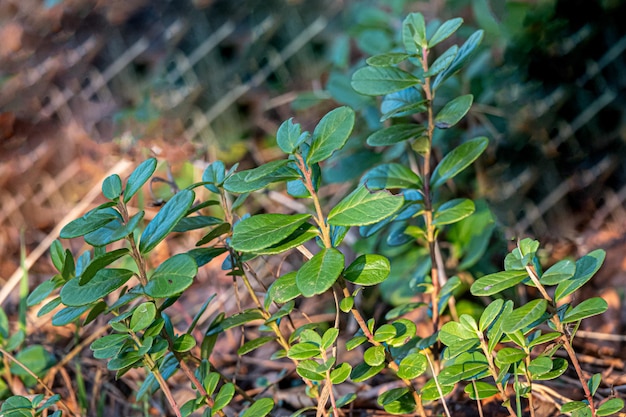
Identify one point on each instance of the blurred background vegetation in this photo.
(87, 83)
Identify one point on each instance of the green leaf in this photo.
(395, 134)
(612, 406)
(265, 170)
(289, 136)
(172, 277)
(283, 289)
(99, 262)
(363, 372)
(453, 111)
(374, 355)
(235, 321)
(465, 52)
(195, 222)
(461, 372)
(302, 234)
(559, 272)
(385, 332)
(309, 369)
(223, 397)
(143, 316)
(524, 316)
(442, 62)
(165, 220)
(391, 175)
(489, 315)
(355, 342)
(39, 294)
(92, 220)
(482, 390)
(112, 187)
(109, 341)
(320, 272)
(361, 207)
(509, 355)
(263, 230)
(113, 231)
(573, 406)
(586, 267)
(253, 344)
(184, 343)
(452, 331)
(260, 408)
(36, 358)
(497, 282)
(102, 284)
(369, 269)
(387, 59)
(444, 31)
(331, 134)
(203, 256)
(346, 304)
(341, 373)
(214, 175)
(329, 338)
(238, 184)
(587, 308)
(457, 160)
(305, 350)
(414, 33)
(540, 366)
(402, 103)
(453, 211)
(397, 401)
(281, 312)
(412, 366)
(138, 178)
(377, 81)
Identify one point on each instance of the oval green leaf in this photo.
(263, 230)
(260, 408)
(392, 175)
(320, 272)
(138, 178)
(457, 160)
(369, 269)
(586, 267)
(172, 277)
(395, 134)
(524, 316)
(587, 308)
(102, 284)
(165, 220)
(444, 31)
(453, 111)
(143, 316)
(412, 366)
(331, 134)
(112, 187)
(377, 81)
(361, 207)
(453, 211)
(497, 282)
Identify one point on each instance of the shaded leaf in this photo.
(387, 59)
(91, 221)
(586, 267)
(395, 134)
(392, 175)
(112, 187)
(165, 220)
(444, 31)
(457, 160)
(376, 81)
(104, 282)
(453, 111)
(138, 178)
(369, 269)
(442, 62)
(465, 52)
(453, 211)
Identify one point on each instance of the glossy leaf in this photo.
(289, 136)
(112, 187)
(283, 289)
(341, 373)
(453, 111)
(509, 355)
(102, 284)
(586, 267)
(442, 62)
(395, 134)
(139, 177)
(91, 221)
(172, 277)
(377, 81)
(369, 269)
(331, 134)
(524, 316)
(320, 272)
(223, 397)
(301, 235)
(184, 343)
(402, 103)
(612, 406)
(587, 308)
(361, 207)
(559, 272)
(374, 355)
(113, 231)
(412, 366)
(238, 184)
(453, 211)
(457, 160)
(195, 222)
(143, 316)
(214, 175)
(444, 31)
(497, 282)
(481, 390)
(235, 321)
(363, 372)
(263, 230)
(573, 406)
(387, 59)
(260, 408)
(165, 220)
(329, 338)
(489, 315)
(99, 262)
(391, 175)
(305, 350)
(465, 52)
(461, 372)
